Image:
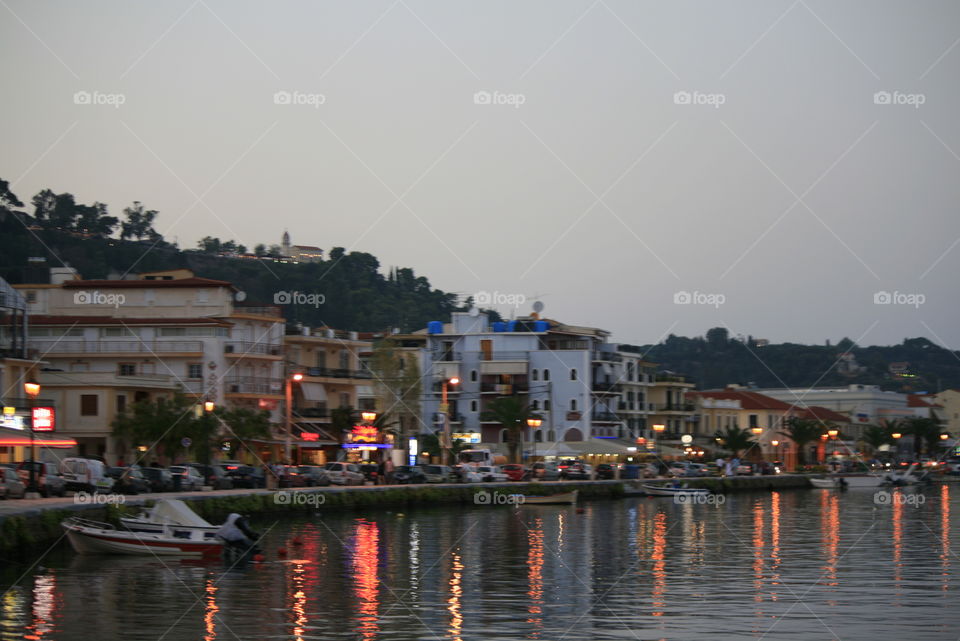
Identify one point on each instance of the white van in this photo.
(85, 474)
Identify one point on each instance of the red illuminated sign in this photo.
(310, 436)
(365, 434)
(43, 419)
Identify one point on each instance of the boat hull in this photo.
(89, 540)
(833, 482)
(663, 490)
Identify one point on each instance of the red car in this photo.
(515, 472)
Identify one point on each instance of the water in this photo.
(805, 564)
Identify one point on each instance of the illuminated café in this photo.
(15, 439)
(367, 443)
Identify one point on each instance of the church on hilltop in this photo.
(299, 253)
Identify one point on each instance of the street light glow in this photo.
(31, 388)
(297, 377)
(454, 380)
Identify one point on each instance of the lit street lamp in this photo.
(444, 411)
(533, 424)
(32, 390)
(296, 378)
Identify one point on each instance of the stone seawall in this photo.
(28, 525)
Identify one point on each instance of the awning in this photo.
(21, 438)
(598, 446)
(314, 392)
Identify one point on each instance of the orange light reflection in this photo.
(659, 567)
(535, 561)
(366, 542)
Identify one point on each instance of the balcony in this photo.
(605, 387)
(449, 356)
(249, 348)
(675, 407)
(253, 385)
(308, 414)
(273, 311)
(111, 348)
(607, 357)
(504, 389)
(501, 355)
(602, 416)
(334, 372)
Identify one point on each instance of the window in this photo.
(203, 296)
(88, 405)
(126, 369)
(401, 363)
(116, 331)
(473, 376)
(173, 331)
(573, 405)
(30, 295)
(503, 436)
(344, 359)
(194, 370)
(54, 331)
(546, 405)
(79, 367)
(473, 406)
(551, 435)
(344, 399)
(573, 374)
(149, 296)
(546, 374)
(535, 405)
(753, 420)
(536, 375)
(121, 403)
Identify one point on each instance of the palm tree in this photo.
(735, 439)
(926, 432)
(875, 436)
(802, 431)
(431, 443)
(512, 413)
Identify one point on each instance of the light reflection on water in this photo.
(784, 565)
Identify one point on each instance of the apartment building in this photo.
(334, 378)
(111, 343)
(569, 375)
(670, 407)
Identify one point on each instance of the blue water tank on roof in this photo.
(541, 326)
(499, 326)
(435, 327)
(512, 326)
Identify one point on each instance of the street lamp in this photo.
(944, 436)
(288, 388)
(369, 417)
(444, 411)
(896, 435)
(533, 424)
(32, 390)
(832, 432)
(208, 406)
(757, 430)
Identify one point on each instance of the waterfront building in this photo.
(300, 253)
(111, 343)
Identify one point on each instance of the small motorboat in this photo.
(94, 537)
(840, 481)
(167, 512)
(566, 498)
(669, 490)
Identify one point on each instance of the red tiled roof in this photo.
(817, 413)
(748, 400)
(920, 400)
(147, 284)
(37, 319)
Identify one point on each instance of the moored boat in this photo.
(669, 490)
(566, 498)
(93, 537)
(836, 481)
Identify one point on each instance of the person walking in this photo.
(720, 462)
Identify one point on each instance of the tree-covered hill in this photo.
(716, 360)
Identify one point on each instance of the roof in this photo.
(748, 400)
(308, 247)
(38, 319)
(817, 413)
(146, 284)
(921, 400)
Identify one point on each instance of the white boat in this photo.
(669, 490)
(166, 512)
(566, 498)
(837, 481)
(93, 537)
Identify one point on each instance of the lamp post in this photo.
(533, 424)
(289, 407)
(32, 390)
(445, 444)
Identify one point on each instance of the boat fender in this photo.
(282, 552)
(581, 510)
(258, 558)
(296, 541)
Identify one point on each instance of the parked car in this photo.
(341, 473)
(408, 474)
(314, 475)
(438, 473)
(606, 471)
(649, 471)
(578, 472)
(492, 474)
(242, 475)
(159, 479)
(11, 487)
(213, 475)
(684, 468)
(47, 474)
(465, 474)
(190, 477)
(128, 480)
(515, 472)
(81, 474)
(370, 471)
(545, 471)
(292, 477)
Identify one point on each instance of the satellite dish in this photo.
(474, 311)
(537, 306)
(240, 297)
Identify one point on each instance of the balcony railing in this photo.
(503, 355)
(675, 407)
(448, 356)
(605, 387)
(253, 385)
(602, 416)
(504, 389)
(121, 347)
(259, 310)
(608, 357)
(249, 347)
(311, 412)
(336, 372)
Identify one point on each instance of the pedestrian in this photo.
(381, 473)
(388, 469)
(720, 463)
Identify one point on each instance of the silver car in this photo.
(341, 473)
(11, 487)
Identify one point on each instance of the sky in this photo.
(787, 170)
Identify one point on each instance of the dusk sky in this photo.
(789, 168)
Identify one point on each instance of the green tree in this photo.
(734, 439)
(875, 436)
(8, 200)
(431, 443)
(802, 431)
(398, 389)
(160, 425)
(260, 249)
(926, 435)
(139, 223)
(512, 413)
(241, 425)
